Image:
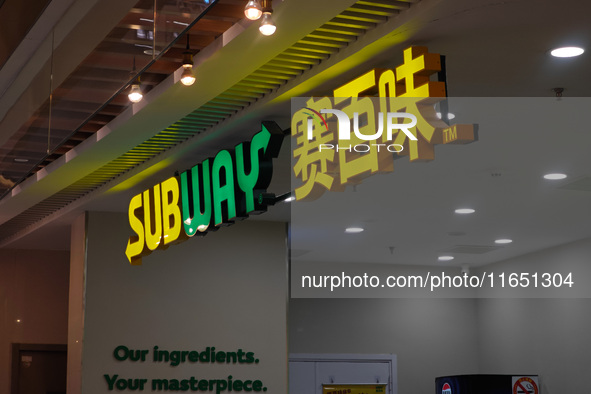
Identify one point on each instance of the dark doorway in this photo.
(38, 369)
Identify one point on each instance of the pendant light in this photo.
(187, 78)
(253, 10)
(267, 27)
(135, 93)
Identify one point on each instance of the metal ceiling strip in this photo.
(134, 157)
(288, 64)
(373, 10)
(153, 146)
(297, 59)
(216, 110)
(322, 42)
(146, 146)
(345, 38)
(269, 68)
(242, 87)
(269, 77)
(317, 48)
(393, 4)
(226, 106)
(305, 54)
(246, 93)
(362, 16)
(228, 96)
(351, 23)
(168, 139)
(248, 82)
(177, 131)
(340, 29)
(229, 102)
(202, 118)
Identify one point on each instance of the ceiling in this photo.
(18, 17)
(500, 176)
(492, 49)
(95, 91)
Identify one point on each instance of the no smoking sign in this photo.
(525, 385)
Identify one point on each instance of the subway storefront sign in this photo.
(212, 194)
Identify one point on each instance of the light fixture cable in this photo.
(154, 32)
(50, 91)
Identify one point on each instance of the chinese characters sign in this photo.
(393, 115)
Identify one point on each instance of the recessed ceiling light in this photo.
(567, 52)
(445, 258)
(555, 176)
(464, 211)
(503, 241)
(353, 230)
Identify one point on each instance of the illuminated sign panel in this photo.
(213, 193)
(392, 114)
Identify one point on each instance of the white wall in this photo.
(430, 337)
(494, 335)
(228, 290)
(33, 289)
(545, 336)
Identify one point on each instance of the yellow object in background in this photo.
(353, 388)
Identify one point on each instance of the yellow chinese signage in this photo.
(393, 115)
(353, 389)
